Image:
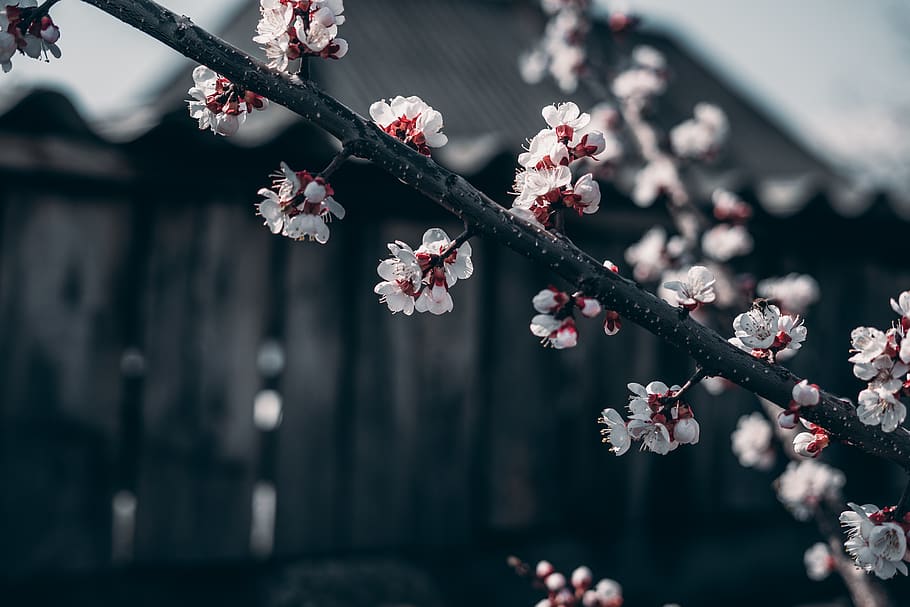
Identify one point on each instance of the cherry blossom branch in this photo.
(865, 590)
(459, 240)
(698, 375)
(340, 158)
(478, 211)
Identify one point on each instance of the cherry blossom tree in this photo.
(559, 173)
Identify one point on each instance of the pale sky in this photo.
(835, 72)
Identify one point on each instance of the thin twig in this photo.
(340, 158)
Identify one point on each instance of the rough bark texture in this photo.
(553, 251)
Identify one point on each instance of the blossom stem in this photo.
(459, 240)
(698, 375)
(337, 161)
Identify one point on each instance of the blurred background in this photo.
(195, 411)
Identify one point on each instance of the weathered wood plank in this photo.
(61, 269)
(204, 324)
(415, 394)
(306, 468)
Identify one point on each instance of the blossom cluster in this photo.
(299, 205)
(702, 136)
(219, 104)
(544, 184)
(555, 322)
(20, 31)
(877, 538)
(766, 333)
(410, 120)
(882, 358)
(420, 280)
(730, 238)
(696, 289)
(574, 591)
(658, 418)
(752, 442)
(561, 52)
(806, 484)
(291, 29)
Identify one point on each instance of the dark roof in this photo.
(461, 57)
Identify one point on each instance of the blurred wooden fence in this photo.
(140, 321)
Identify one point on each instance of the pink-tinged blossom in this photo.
(730, 207)
(655, 178)
(555, 332)
(883, 372)
(695, 290)
(402, 277)
(219, 104)
(291, 29)
(764, 332)
(757, 328)
(545, 150)
(298, 209)
(752, 442)
(549, 300)
(724, 242)
(607, 593)
(612, 320)
(819, 562)
(659, 419)
(701, 137)
(805, 394)
(37, 40)
(868, 344)
(649, 57)
(878, 406)
(638, 85)
(544, 569)
(876, 542)
(565, 119)
(555, 582)
(411, 120)
(808, 444)
(582, 578)
(794, 293)
(901, 306)
(804, 485)
(584, 196)
(648, 256)
(616, 432)
(589, 307)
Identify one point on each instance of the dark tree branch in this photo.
(710, 350)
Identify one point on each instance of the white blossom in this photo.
(648, 256)
(875, 547)
(615, 432)
(819, 561)
(696, 289)
(883, 372)
(805, 394)
(402, 277)
(794, 292)
(878, 406)
(752, 442)
(555, 332)
(638, 84)
(288, 209)
(868, 343)
(758, 327)
(701, 136)
(654, 178)
(410, 120)
(724, 242)
(220, 105)
(804, 485)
